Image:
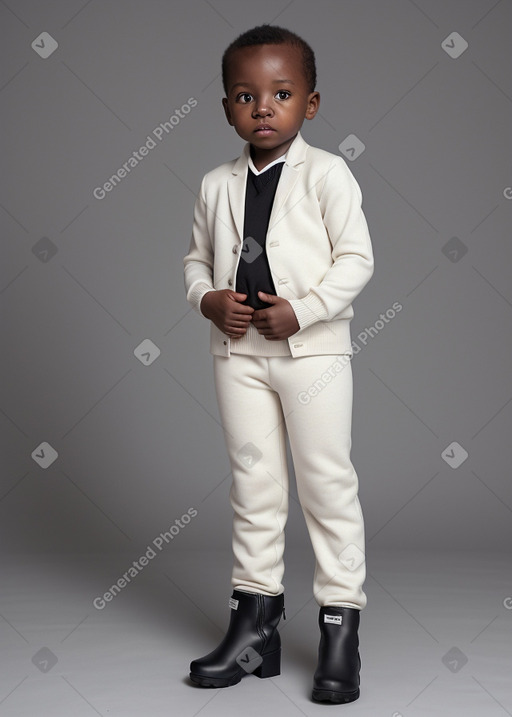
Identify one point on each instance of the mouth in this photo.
(264, 129)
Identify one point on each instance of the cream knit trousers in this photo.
(260, 399)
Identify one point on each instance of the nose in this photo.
(262, 108)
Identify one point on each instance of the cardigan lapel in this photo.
(236, 191)
(237, 183)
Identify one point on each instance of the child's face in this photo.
(267, 87)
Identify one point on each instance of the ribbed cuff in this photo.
(196, 295)
(308, 310)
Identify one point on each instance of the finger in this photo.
(269, 298)
(238, 315)
(237, 307)
(237, 296)
(242, 315)
(238, 324)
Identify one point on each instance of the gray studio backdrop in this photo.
(110, 430)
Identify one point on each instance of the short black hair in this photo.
(272, 35)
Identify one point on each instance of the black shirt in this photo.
(253, 272)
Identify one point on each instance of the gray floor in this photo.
(436, 637)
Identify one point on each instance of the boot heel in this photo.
(271, 665)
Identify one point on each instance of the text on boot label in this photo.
(335, 619)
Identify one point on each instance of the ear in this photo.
(313, 105)
(226, 110)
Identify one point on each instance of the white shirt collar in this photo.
(253, 169)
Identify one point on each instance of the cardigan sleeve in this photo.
(341, 206)
(198, 263)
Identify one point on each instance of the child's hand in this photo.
(276, 322)
(223, 307)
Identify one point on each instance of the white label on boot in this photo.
(335, 619)
(233, 603)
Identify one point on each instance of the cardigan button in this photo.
(225, 343)
(235, 249)
(230, 282)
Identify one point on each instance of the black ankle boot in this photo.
(252, 643)
(337, 675)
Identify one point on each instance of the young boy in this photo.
(280, 248)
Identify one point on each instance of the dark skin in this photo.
(266, 85)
